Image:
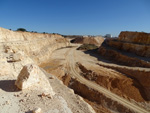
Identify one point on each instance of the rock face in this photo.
(89, 40)
(138, 49)
(131, 48)
(31, 75)
(131, 51)
(122, 58)
(135, 37)
(36, 45)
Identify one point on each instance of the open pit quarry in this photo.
(46, 73)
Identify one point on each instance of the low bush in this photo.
(87, 47)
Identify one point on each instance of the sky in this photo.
(76, 17)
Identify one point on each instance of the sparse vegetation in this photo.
(21, 29)
(87, 47)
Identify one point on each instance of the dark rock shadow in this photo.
(8, 86)
(137, 84)
(95, 54)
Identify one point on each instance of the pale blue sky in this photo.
(78, 17)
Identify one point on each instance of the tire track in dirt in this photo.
(70, 57)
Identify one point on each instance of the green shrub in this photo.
(87, 47)
(21, 29)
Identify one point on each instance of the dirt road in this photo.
(71, 62)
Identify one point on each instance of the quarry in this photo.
(48, 73)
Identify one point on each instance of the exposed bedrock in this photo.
(120, 58)
(38, 46)
(138, 49)
(135, 37)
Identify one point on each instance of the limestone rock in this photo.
(37, 46)
(3, 59)
(59, 106)
(18, 56)
(31, 75)
(37, 110)
(27, 77)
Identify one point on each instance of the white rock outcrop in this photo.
(32, 76)
(37, 110)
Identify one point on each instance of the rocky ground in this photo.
(45, 73)
(117, 66)
(89, 67)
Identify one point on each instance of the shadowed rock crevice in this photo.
(8, 86)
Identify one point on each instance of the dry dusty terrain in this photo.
(105, 80)
(89, 77)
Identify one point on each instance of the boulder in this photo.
(32, 76)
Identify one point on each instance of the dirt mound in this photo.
(89, 40)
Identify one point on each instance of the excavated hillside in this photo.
(26, 88)
(131, 51)
(36, 45)
(46, 73)
(111, 80)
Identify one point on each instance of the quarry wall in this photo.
(140, 50)
(36, 45)
(135, 37)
